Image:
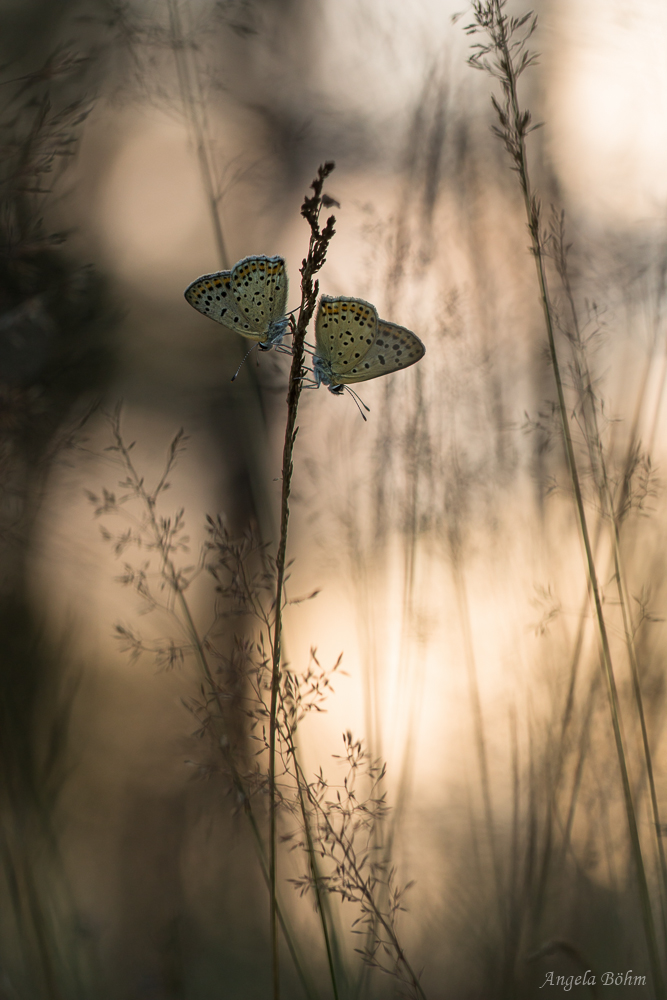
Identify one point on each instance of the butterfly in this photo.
(352, 344)
(249, 299)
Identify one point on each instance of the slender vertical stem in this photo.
(249, 414)
(319, 241)
(302, 785)
(363, 885)
(478, 719)
(191, 96)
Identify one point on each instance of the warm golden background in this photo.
(441, 534)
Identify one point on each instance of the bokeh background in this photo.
(146, 143)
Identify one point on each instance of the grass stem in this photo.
(195, 110)
(318, 245)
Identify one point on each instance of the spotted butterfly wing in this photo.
(354, 345)
(250, 299)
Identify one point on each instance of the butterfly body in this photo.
(250, 299)
(352, 344)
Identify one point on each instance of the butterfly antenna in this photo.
(246, 356)
(359, 403)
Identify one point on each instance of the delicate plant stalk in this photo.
(584, 740)
(249, 415)
(411, 675)
(515, 125)
(478, 718)
(200, 654)
(594, 441)
(317, 249)
(364, 884)
(514, 880)
(558, 771)
(191, 96)
(662, 381)
(320, 896)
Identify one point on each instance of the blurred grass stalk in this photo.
(195, 112)
(505, 57)
(614, 511)
(248, 406)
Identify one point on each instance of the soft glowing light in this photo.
(607, 107)
(152, 214)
